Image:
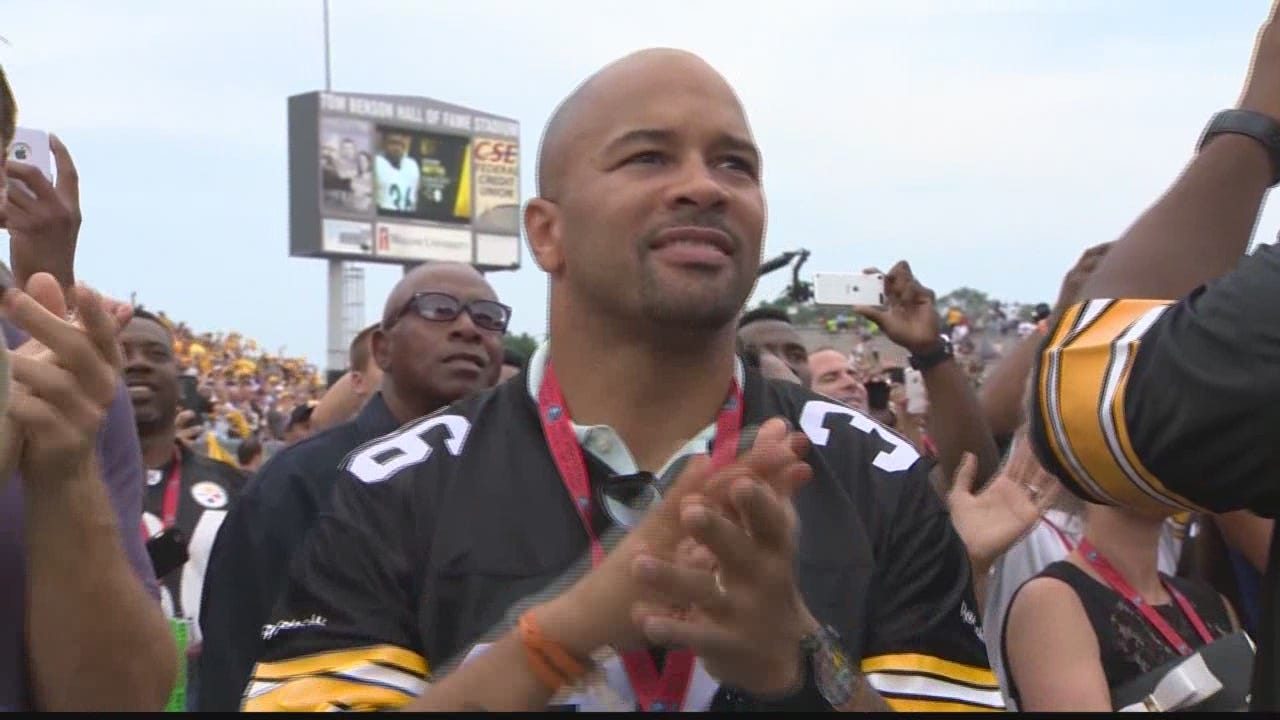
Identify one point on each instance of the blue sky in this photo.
(988, 142)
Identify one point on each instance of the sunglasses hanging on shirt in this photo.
(626, 498)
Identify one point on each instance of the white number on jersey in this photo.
(384, 458)
(399, 197)
(815, 412)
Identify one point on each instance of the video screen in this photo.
(423, 176)
(346, 165)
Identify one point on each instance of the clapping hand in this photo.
(730, 595)
(63, 379)
(598, 610)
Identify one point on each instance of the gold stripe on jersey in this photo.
(1083, 376)
(979, 677)
(1073, 321)
(379, 677)
(324, 694)
(926, 706)
(915, 681)
(1161, 497)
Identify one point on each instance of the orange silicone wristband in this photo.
(531, 639)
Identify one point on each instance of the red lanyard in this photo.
(1117, 583)
(654, 693)
(170, 505)
(1061, 535)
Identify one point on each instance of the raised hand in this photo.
(1262, 87)
(44, 222)
(910, 316)
(187, 429)
(991, 521)
(1076, 276)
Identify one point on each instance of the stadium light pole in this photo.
(346, 289)
(328, 75)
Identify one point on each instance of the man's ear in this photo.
(542, 227)
(380, 344)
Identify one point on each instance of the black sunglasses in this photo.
(626, 498)
(488, 315)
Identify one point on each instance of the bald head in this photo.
(571, 119)
(434, 277)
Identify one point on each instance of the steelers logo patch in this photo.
(210, 495)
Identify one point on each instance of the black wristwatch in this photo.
(935, 357)
(830, 678)
(1259, 126)
(833, 672)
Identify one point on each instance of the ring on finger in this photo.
(720, 585)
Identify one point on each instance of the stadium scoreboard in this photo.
(395, 179)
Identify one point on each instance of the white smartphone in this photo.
(30, 147)
(917, 399)
(848, 288)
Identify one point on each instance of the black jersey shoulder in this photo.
(464, 432)
(200, 468)
(850, 440)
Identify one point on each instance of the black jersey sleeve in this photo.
(1157, 405)
(342, 636)
(925, 651)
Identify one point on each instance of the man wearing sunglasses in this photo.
(649, 222)
(440, 339)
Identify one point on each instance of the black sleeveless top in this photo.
(1128, 644)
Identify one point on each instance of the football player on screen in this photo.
(396, 176)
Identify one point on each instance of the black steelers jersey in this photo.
(441, 530)
(206, 489)
(1159, 405)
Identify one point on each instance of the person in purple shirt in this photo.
(120, 460)
(80, 623)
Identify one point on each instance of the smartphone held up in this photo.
(848, 289)
(31, 147)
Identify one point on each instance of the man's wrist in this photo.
(1242, 149)
(69, 485)
(77, 500)
(563, 621)
(926, 357)
(926, 348)
(65, 275)
(792, 673)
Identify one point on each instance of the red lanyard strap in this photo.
(169, 508)
(1066, 541)
(1120, 585)
(654, 693)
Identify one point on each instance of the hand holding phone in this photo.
(42, 208)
